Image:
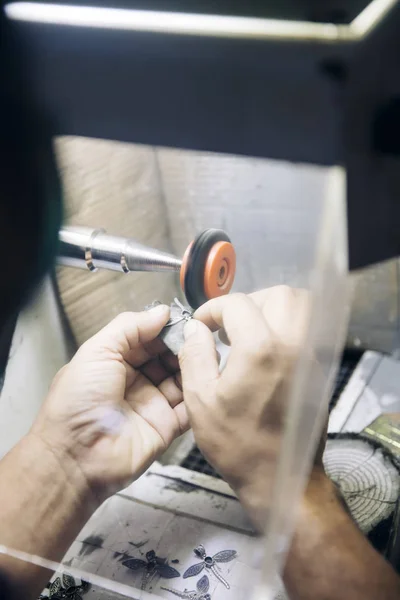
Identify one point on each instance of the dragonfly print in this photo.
(65, 587)
(151, 567)
(201, 593)
(211, 563)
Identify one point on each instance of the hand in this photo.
(237, 416)
(117, 405)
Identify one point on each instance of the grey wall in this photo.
(115, 186)
(375, 315)
(163, 197)
(271, 210)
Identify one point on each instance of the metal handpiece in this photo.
(93, 249)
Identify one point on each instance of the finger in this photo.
(169, 386)
(182, 417)
(155, 347)
(148, 402)
(262, 296)
(178, 380)
(152, 349)
(143, 353)
(170, 362)
(252, 343)
(161, 367)
(239, 317)
(287, 311)
(131, 374)
(198, 361)
(171, 391)
(155, 371)
(223, 337)
(209, 313)
(128, 332)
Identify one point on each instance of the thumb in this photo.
(198, 361)
(128, 331)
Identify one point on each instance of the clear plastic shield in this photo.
(179, 530)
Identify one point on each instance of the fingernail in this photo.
(159, 309)
(190, 328)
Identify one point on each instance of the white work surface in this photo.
(170, 510)
(373, 389)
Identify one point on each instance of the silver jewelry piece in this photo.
(172, 333)
(151, 567)
(210, 562)
(184, 316)
(201, 593)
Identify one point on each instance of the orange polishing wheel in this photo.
(208, 267)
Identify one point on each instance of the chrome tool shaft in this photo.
(93, 249)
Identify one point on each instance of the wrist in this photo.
(320, 494)
(254, 496)
(44, 504)
(320, 517)
(56, 461)
(329, 556)
(320, 499)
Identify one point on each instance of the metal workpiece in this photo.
(172, 333)
(93, 249)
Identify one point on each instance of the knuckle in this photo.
(291, 296)
(230, 399)
(272, 356)
(226, 392)
(190, 394)
(287, 355)
(238, 296)
(224, 301)
(261, 350)
(286, 292)
(266, 347)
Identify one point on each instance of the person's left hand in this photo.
(117, 405)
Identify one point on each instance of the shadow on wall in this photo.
(115, 186)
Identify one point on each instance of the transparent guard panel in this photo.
(308, 399)
(288, 225)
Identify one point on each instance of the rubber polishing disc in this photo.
(208, 267)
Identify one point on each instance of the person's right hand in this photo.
(237, 415)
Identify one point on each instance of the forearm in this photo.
(44, 503)
(330, 559)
